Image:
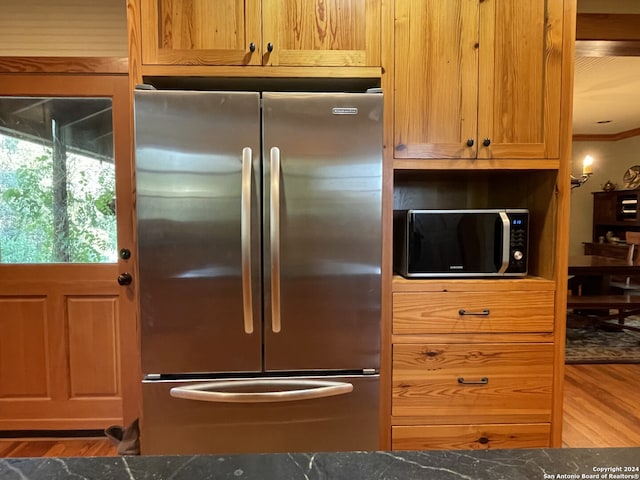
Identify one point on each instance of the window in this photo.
(57, 181)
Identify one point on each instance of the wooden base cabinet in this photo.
(472, 366)
(469, 383)
(470, 437)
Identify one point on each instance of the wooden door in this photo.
(201, 32)
(340, 33)
(436, 65)
(69, 349)
(520, 73)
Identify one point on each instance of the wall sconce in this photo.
(587, 171)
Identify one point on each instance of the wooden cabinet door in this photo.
(436, 78)
(341, 33)
(520, 72)
(201, 32)
(477, 79)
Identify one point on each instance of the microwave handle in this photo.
(506, 241)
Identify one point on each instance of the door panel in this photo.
(92, 326)
(69, 351)
(332, 33)
(189, 166)
(329, 230)
(23, 352)
(436, 68)
(201, 32)
(518, 98)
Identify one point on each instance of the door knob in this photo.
(486, 142)
(252, 47)
(470, 142)
(125, 279)
(270, 47)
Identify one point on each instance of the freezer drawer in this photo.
(346, 420)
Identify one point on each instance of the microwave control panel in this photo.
(519, 226)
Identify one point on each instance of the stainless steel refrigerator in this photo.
(259, 233)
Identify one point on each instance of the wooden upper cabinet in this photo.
(339, 33)
(255, 32)
(200, 32)
(477, 79)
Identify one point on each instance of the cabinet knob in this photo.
(470, 142)
(270, 47)
(252, 47)
(486, 142)
(125, 253)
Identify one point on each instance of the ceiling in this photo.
(606, 89)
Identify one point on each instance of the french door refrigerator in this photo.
(259, 234)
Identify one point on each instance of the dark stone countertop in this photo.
(567, 463)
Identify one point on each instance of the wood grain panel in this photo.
(520, 74)
(108, 65)
(440, 312)
(322, 32)
(436, 75)
(201, 24)
(23, 348)
(426, 382)
(401, 284)
(92, 327)
(465, 437)
(200, 32)
(67, 28)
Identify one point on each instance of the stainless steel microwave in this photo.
(461, 243)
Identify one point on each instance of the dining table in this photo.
(596, 265)
(592, 273)
(592, 292)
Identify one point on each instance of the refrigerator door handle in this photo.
(227, 391)
(245, 212)
(274, 208)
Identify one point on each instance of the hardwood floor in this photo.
(601, 409)
(601, 405)
(55, 447)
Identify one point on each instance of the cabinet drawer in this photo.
(478, 383)
(473, 312)
(465, 437)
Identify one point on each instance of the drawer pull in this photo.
(482, 381)
(484, 312)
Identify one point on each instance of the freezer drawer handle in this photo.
(205, 392)
(247, 300)
(275, 239)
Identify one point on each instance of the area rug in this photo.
(590, 344)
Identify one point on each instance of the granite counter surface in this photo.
(599, 463)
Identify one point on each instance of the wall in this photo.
(611, 161)
(63, 28)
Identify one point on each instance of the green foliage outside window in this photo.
(86, 230)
